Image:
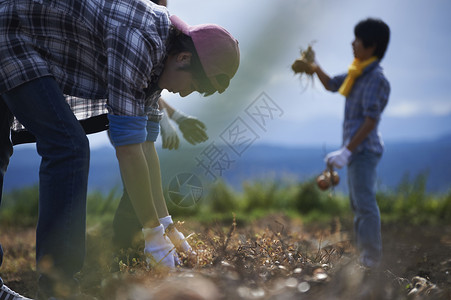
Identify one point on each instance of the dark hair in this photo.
(156, 1)
(180, 42)
(373, 32)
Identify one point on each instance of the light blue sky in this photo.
(271, 33)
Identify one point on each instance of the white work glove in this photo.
(177, 238)
(158, 247)
(168, 133)
(193, 130)
(339, 158)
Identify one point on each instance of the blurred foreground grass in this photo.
(273, 240)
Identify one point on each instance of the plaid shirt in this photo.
(368, 98)
(106, 55)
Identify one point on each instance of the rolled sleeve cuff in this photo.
(153, 129)
(336, 82)
(127, 130)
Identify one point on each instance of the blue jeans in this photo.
(6, 150)
(362, 192)
(63, 176)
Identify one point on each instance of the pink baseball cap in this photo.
(217, 50)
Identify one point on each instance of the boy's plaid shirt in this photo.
(368, 98)
(105, 54)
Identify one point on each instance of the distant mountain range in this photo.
(257, 162)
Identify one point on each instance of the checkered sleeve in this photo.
(129, 68)
(336, 81)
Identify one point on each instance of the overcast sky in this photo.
(271, 34)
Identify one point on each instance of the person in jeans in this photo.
(126, 224)
(125, 52)
(366, 90)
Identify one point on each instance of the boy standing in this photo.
(366, 90)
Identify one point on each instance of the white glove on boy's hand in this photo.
(339, 158)
(179, 116)
(168, 132)
(193, 130)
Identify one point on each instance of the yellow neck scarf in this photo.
(354, 71)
